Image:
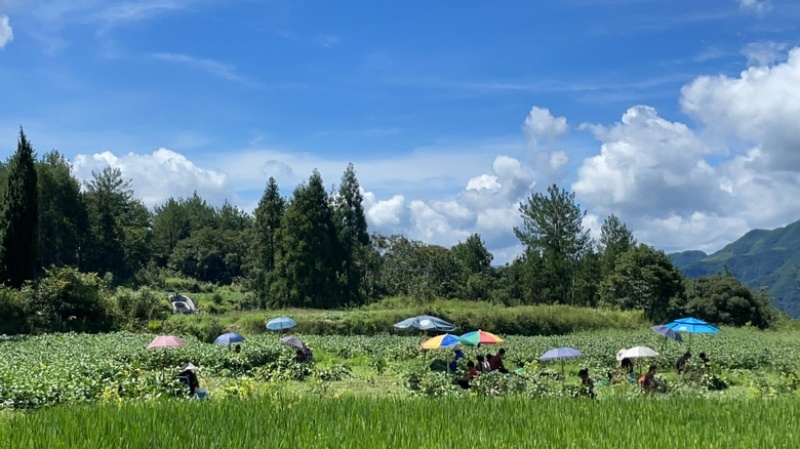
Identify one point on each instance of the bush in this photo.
(136, 307)
(70, 301)
(203, 327)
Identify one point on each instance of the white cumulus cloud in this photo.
(6, 32)
(158, 176)
(542, 126)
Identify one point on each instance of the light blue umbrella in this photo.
(230, 337)
(281, 323)
(692, 326)
(560, 354)
(425, 322)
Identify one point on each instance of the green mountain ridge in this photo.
(761, 258)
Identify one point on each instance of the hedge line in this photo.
(523, 320)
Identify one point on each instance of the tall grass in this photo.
(283, 422)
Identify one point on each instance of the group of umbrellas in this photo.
(277, 324)
(446, 340)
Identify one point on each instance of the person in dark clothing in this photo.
(472, 371)
(626, 366)
(586, 382)
(189, 378)
(680, 365)
(704, 358)
(453, 365)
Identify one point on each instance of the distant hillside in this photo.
(759, 258)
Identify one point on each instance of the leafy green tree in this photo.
(586, 290)
(209, 255)
(268, 216)
(306, 261)
(552, 228)
(353, 238)
(232, 218)
(615, 239)
(170, 226)
(19, 222)
(199, 213)
(63, 217)
(475, 267)
(724, 300)
(645, 279)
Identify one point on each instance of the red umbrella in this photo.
(165, 341)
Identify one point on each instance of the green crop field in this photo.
(108, 390)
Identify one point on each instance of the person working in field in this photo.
(496, 362)
(483, 364)
(649, 381)
(189, 378)
(472, 372)
(626, 366)
(586, 382)
(680, 365)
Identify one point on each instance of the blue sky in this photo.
(452, 112)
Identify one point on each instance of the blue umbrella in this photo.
(279, 324)
(230, 337)
(692, 326)
(425, 322)
(667, 332)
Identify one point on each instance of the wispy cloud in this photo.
(757, 6)
(322, 40)
(6, 33)
(220, 69)
(764, 53)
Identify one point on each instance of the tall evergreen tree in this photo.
(351, 224)
(615, 239)
(20, 217)
(306, 260)
(268, 214)
(170, 226)
(63, 218)
(552, 227)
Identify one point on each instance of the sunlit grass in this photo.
(284, 421)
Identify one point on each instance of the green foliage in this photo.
(645, 279)
(760, 259)
(19, 218)
(67, 300)
(63, 219)
(353, 238)
(727, 301)
(554, 238)
(615, 240)
(202, 327)
(135, 308)
(269, 213)
(308, 257)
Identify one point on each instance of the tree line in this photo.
(313, 249)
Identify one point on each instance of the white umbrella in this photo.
(621, 354)
(638, 352)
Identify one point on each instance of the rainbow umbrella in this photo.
(477, 337)
(441, 341)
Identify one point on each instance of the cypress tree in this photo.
(20, 217)
(306, 260)
(268, 214)
(353, 237)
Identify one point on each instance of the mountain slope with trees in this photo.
(762, 259)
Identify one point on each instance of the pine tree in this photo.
(353, 238)
(20, 217)
(553, 230)
(306, 260)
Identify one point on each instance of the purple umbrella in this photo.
(667, 332)
(293, 341)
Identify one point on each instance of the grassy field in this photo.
(285, 421)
